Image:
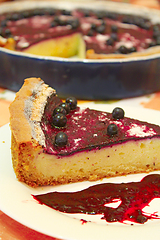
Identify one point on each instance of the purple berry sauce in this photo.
(134, 196)
(87, 129)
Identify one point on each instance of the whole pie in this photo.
(58, 142)
(84, 32)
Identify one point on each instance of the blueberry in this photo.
(53, 24)
(155, 28)
(8, 17)
(146, 26)
(93, 26)
(127, 19)
(152, 44)
(75, 23)
(114, 36)
(90, 32)
(50, 11)
(59, 120)
(101, 29)
(158, 41)
(110, 41)
(59, 109)
(4, 23)
(69, 22)
(132, 49)
(114, 28)
(101, 14)
(142, 23)
(26, 14)
(103, 22)
(156, 34)
(61, 139)
(122, 49)
(15, 16)
(111, 15)
(56, 19)
(62, 22)
(112, 129)
(72, 101)
(66, 12)
(38, 12)
(66, 106)
(7, 33)
(86, 12)
(118, 113)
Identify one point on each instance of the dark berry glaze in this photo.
(133, 197)
(103, 31)
(87, 129)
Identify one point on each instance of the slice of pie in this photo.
(57, 142)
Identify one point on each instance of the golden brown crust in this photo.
(22, 143)
(22, 156)
(18, 122)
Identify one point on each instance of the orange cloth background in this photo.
(12, 230)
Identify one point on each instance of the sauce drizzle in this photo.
(133, 197)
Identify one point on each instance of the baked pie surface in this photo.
(106, 32)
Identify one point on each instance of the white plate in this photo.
(16, 199)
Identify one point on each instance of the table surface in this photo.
(12, 230)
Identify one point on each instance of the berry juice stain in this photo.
(133, 197)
